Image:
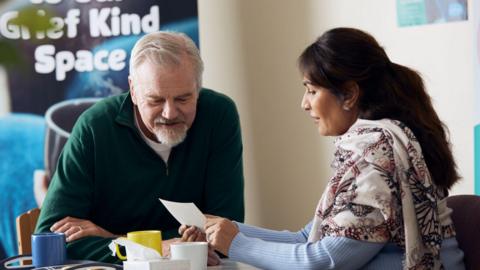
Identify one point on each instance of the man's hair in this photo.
(166, 49)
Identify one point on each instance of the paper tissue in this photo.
(140, 257)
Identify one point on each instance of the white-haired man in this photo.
(166, 138)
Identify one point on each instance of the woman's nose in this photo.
(305, 104)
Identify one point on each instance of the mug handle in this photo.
(118, 253)
(16, 259)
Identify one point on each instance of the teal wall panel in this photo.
(477, 159)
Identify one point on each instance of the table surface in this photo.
(226, 264)
(232, 265)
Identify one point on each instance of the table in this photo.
(226, 264)
(82, 264)
(232, 265)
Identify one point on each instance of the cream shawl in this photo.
(381, 191)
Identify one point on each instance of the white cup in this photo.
(195, 252)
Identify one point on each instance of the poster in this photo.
(419, 12)
(84, 55)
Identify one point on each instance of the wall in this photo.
(443, 53)
(250, 50)
(476, 56)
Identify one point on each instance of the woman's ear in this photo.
(351, 95)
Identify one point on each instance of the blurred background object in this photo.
(10, 55)
(21, 152)
(4, 95)
(60, 120)
(21, 137)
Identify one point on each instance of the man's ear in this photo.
(351, 94)
(132, 90)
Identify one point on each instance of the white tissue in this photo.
(135, 251)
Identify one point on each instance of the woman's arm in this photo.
(275, 236)
(328, 253)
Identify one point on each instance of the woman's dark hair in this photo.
(387, 90)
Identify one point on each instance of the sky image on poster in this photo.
(86, 52)
(419, 12)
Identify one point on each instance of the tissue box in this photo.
(157, 265)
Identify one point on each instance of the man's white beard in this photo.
(171, 136)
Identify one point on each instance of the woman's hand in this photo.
(194, 234)
(220, 233)
(75, 228)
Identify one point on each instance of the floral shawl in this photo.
(381, 191)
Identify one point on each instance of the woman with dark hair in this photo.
(384, 207)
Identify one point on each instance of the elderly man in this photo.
(167, 138)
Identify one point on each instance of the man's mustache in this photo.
(165, 121)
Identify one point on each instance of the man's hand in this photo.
(193, 234)
(213, 258)
(75, 228)
(166, 246)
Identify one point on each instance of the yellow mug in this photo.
(151, 239)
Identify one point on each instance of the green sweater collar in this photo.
(125, 114)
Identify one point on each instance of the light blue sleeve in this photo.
(275, 236)
(329, 253)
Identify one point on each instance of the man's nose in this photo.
(170, 111)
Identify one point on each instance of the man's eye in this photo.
(182, 99)
(311, 92)
(154, 101)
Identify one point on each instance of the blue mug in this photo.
(48, 249)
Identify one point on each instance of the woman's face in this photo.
(332, 116)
